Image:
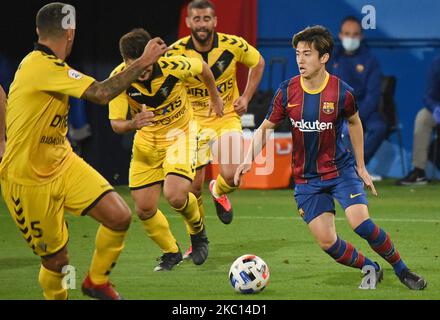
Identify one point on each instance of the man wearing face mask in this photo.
(355, 64)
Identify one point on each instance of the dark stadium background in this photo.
(406, 40)
(100, 24)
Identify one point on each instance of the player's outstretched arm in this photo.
(257, 144)
(215, 101)
(357, 140)
(140, 120)
(254, 78)
(103, 92)
(2, 122)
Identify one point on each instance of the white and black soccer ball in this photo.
(249, 274)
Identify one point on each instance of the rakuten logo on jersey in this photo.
(311, 126)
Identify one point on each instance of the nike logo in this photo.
(354, 195)
(292, 105)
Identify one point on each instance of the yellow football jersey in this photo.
(37, 149)
(164, 94)
(222, 58)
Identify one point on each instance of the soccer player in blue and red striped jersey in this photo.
(317, 103)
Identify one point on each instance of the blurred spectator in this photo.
(426, 120)
(79, 128)
(353, 62)
(6, 73)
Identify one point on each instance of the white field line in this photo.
(238, 217)
(298, 218)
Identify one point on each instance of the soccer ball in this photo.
(249, 274)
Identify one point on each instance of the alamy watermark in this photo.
(69, 279)
(369, 19)
(69, 20)
(369, 280)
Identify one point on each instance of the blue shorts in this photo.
(316, 197)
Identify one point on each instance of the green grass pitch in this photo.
(267, 224)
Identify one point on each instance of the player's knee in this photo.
(177, 199)
(120, 219)
(57, 261)
(145, 212)
(424, 118)
(229, 178)
(326, 243)
(197, 190)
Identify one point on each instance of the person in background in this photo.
(354, 63)
(426, 120)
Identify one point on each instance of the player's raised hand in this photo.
(154, 49)
(241, 170)
(241, 105)
(143, 118)
(216, 105)
(365, 176)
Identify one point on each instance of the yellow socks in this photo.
(201, 207)
(191, 214)
(221, 187)
(158, 229)
(51, 282)
(109, 244)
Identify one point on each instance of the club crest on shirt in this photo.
(328, 107)
(164, 91)
(360, 68)
(221, 65)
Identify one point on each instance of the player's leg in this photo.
(381, 243)
(179, 168)
(88, 193)
(156, 225)
(343, 252)
(51, 275)
(114, 217)
(350, 193)
(146, 176)
(196, 189)
(38, 212)
(228, 149)
(317, 209)
(177, 192)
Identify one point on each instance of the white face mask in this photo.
(351, 44)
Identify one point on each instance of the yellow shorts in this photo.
(38, 211)
(151, 164)
(211, 131)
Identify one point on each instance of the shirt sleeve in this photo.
(247, 54)
(350, 105)
(276, 113)
(182, 67)
(57, 76)
(118, 107)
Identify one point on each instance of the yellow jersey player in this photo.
(222, 52)
(41, 176)
(2, 122)
(164, 148)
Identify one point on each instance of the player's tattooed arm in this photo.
(103, 92)
(2, 122)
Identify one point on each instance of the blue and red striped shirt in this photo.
(317, 118)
